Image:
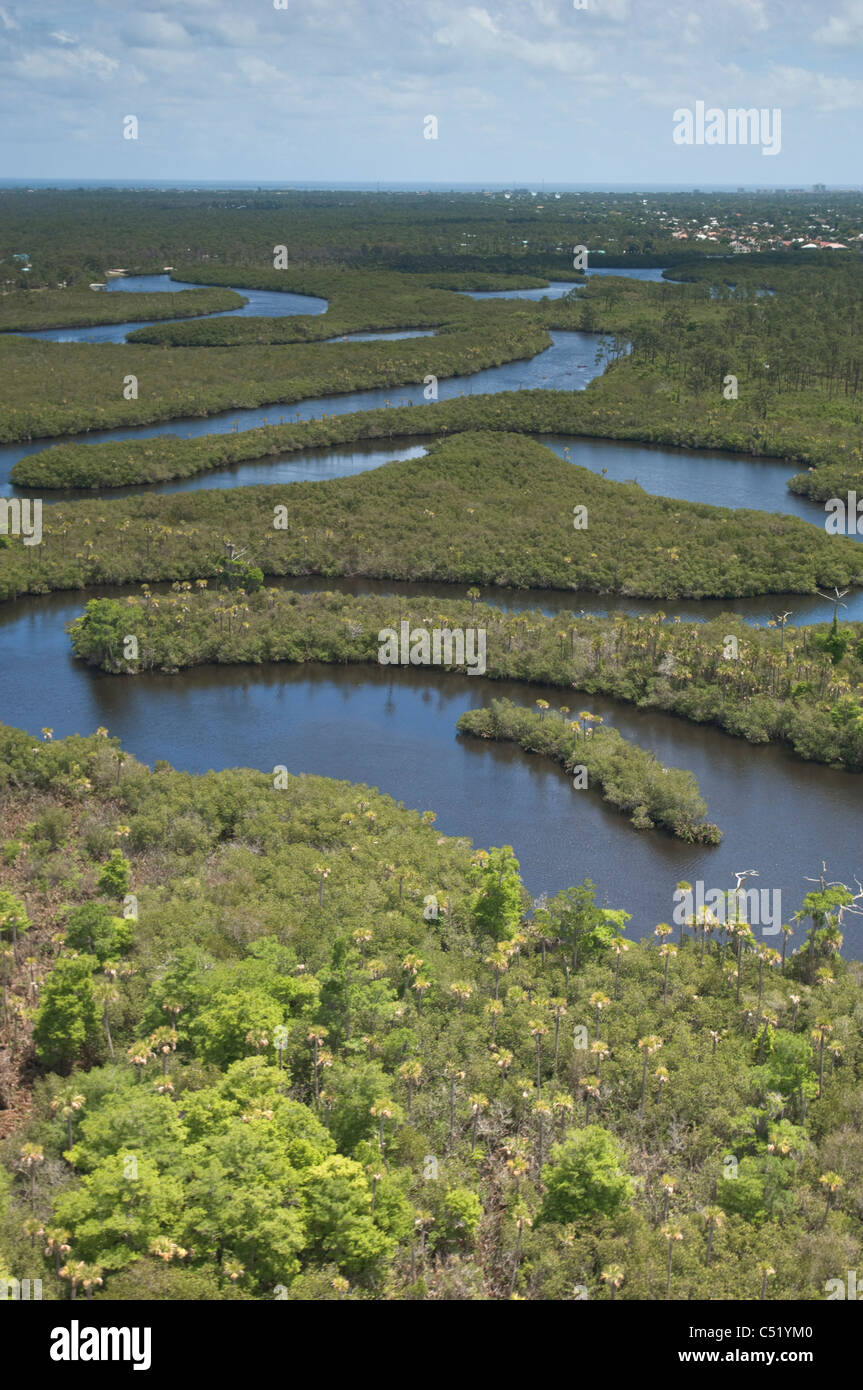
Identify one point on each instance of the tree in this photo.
(93, 928)
(585, 1177)
(113, 1217)
(499, 897)
(67, 1026)
(411, 1072)
(336, 1209)
(648, 1045)
(116, 875)
(672, 1234)
(67, 1103)
(13, 919)
(713, 1219)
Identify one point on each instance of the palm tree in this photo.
(106, 993)
(562, 1104)
(420, 985)
(478, 1103)
(598, 1001)
(832, 1183)
(766, 1270)
(558, 1010)
(600, 1051)
(462, 991)
(90, 1278)
(56, 1244)
(769, 1021)
(521, 1222)
(591, 1092)
(139, 1054)
(714, 1217)
(819, 1034)
(72, 1270)
(667, 951)
(499, 963)
(67, 1103)
(362, 937)
(661, 1075)
(787, 932)
(766, 956)
(619, 944)
(672, 1234)
(542, 1110)
(316, 1036)
(504, 1061)
(668, 1184)
(538, 1030)
(494, 1009)
(163, 1041)
(323, 874)
(381, 1110)
(613, 1276)
(411, 1072)
(31, 1156)
(649, 1044)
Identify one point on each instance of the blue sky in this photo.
(523, 90)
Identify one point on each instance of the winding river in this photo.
(395, 729)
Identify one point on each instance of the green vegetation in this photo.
(275, 1036)
(669, 390)
(478, 509)
(632, 779)
(30, 311)
(294, 1077)
(86, 380)
(802, 686)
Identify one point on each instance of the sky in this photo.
(522, 91)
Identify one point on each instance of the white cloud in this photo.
(843, 30)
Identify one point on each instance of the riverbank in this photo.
(38, 309)
(761, 684)
(477, 509)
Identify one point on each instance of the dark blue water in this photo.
(568, 365)
(395, 729)
(556, 289)
(261, 304)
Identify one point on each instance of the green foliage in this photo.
(479, 509)
(632, 779)
(93, 927)
(585, 1177)
(66, 1026)
(29, 312)
(673, 666)
(498, 901)
(115, 875)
